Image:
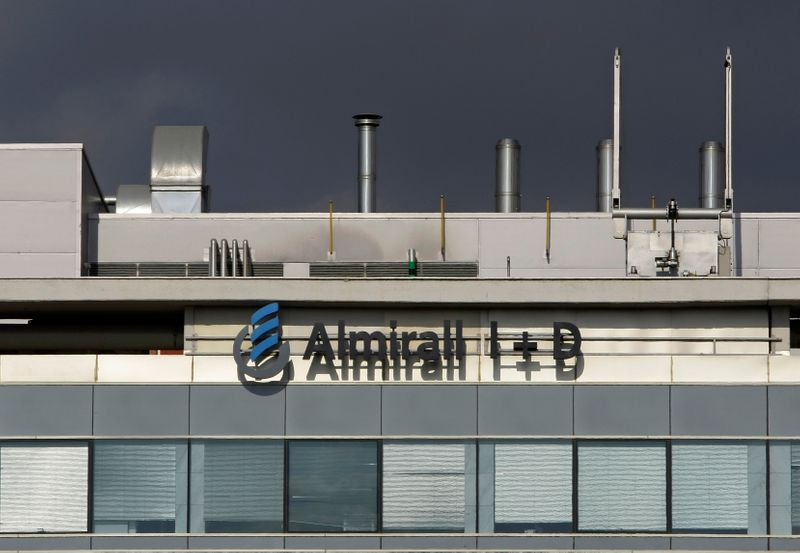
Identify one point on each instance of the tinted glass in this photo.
(333, 486)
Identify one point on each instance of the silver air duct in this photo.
(178, 169)
(506, 195)
(367, 156)
(712, 175)
(605, 177)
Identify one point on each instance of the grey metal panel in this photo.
(141, 410)
(525, 542)
(45, 411)
(333, 410)
(784, 544)
(235, 542)
(621, 410)
(622, 542)
(432, 543)
(333, 542)
(784, 410)
(524, 410)
(40, 175)
(438, 410)
(21, 227)
(136, 542)
(719, 410)
(238, 410)
(43, 543)
(720, 544)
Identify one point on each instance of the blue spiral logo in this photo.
(267, 356)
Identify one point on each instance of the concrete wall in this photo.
(45, 192)
(582, 244)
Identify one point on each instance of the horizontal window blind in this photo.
(243, 481)
(424, 486)
(795, 478)
(134, 482)
(533, 483)
(43, 487)
(709, 487)
(622, 486)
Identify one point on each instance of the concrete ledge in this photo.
(462, 291)
(722, 368)
(144, 368)
(47, 368)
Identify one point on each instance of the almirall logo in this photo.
(267, 356)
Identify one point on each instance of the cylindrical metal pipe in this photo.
(213, 258)
(605, 175)
(506, 194)
(224, 258)
(661, 213)
(235, 258)
(712, 175)
(245, 258)
(367, 123)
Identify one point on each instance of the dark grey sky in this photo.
(277, 83)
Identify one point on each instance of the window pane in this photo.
(622, 486)
(426, 487)
(333, 486)
(237, 486)
(715, 487)
(533, 487)
(43, 487)
(139, 487)
(795, 478)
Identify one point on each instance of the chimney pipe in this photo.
(712, 175)
(506, 195)
(367, 156)
(605, 178)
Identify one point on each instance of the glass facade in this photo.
(333, 486)
(486, 486)
(237, 486)
(140, 486)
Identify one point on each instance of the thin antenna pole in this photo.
(615, 192)
(728, 129)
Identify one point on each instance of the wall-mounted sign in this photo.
(268, 357)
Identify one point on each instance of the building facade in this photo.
(174, 379)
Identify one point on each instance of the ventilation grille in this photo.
(267, 269)
(430, 269)
(441, 269)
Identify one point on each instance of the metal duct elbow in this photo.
(367, 123)
(178, 169)
(712, 175)
(605, 179)
(507, 194)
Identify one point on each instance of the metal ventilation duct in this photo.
(133, 198)
(712, 175)
(367, 123)
(178, 169)
(605, 180)
(507, 195)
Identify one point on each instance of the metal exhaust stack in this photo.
(367, 155)
(712, 175)
(605, 153)
(507, 195)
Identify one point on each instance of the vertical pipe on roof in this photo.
(507, 194)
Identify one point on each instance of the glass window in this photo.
(43, 487)
(237, 486)
(333, 486)
(140, 486)
(622, 486)
(795, 487)
(719, 487)
(532, 486)
(429, 486)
